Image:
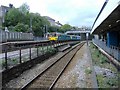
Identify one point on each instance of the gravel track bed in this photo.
(75, 75)
(47, 78)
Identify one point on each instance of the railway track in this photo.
(48, 77)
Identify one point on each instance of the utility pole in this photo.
(31, 24)
(45, 32)
(87, 38)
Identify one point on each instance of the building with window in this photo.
(53, 22)
(3, 11)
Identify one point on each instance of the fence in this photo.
(112, 50)
(14, 36)
(11, 59)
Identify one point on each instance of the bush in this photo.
(11, 28)
(97, 53)
(88, 70)
(3, 28)
(20, 27)
(50, 50)
(103, 60)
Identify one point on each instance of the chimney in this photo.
(10, 5)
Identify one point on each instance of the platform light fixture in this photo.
(109, 25)
(117, 21)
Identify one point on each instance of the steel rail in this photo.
(51, 86)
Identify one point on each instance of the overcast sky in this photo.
(74, 12)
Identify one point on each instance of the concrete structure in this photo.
(3, 11)
(107, 27)
(83, 33)
(53, 22)
(7, 36)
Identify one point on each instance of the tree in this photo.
(54, 29)
(38, 24)
(15, 16)
(12, 17)
(66, 27)
(20, 27)
(21, 20)
(24, 8)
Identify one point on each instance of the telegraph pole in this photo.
(31, 24)
(87, 38)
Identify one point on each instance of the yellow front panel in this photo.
(53, 38)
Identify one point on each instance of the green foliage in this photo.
(88, 71)
(19, 20)
(24, 8)
(11, 28)
(14, 60)
(101, 81)
(102, 61)
(107, 82)
(66, 27)
(97, 53)
(20, 27)
(37, 24)
(2, 63)
(61, 29)
(2, 28)
(51, 50)
(54, 29)
(112, 81)
(13, 17)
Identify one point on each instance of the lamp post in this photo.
(45, 31)
(87, 38)
(31, 31)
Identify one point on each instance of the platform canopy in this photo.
(109, 19)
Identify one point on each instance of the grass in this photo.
(107, 82)
(2, 63)
(47, 49)
(102, 61)
(88, 71)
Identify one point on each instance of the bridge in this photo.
(78, 31)
(82, 33)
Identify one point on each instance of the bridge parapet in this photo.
(78, 31)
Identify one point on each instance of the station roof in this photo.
(107, 21)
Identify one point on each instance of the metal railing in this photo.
(13, 58)
(112, 50)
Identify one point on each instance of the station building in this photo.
(106, 28)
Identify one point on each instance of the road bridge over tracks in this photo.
(83, 33)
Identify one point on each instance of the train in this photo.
(18, 36)
(63, 37)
